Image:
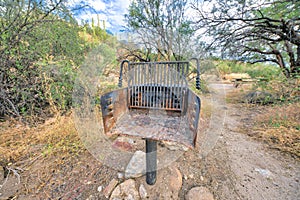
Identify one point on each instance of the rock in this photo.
(112, 184)
(99, 189)
(120, 175)
(125, 191)
(199, 193)
(143, 192)
(123, 143)
(201, 178)
(266, 173)
(172, 185)
(185, 177)
(259, 97)
(173, 146)
(91, 197)
(167, 186)
(131, 141)
(87, 182)
(136, 166)
(175, 179)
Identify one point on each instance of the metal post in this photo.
(121, 72)
(151, 162)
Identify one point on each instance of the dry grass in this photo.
(19, 143)
(42, 156)
(279, 126)
(205, 114)
(237, 95)
(287, 116)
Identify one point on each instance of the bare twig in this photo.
(15, 172)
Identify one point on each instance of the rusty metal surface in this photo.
(193, 114)
(151, 124)
(113, 106)
(158, 126)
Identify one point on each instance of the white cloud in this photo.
(111, 11)
(97, 5)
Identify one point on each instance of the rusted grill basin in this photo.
(151, 124)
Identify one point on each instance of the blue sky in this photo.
(111, 11)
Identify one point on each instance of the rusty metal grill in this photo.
(153, 86)
(160, 85)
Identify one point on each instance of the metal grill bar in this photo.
(164, 89)
(157, 85)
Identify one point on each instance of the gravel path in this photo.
(240, 167)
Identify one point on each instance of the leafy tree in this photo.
(39, 51)
(253, 31)
(161, 26)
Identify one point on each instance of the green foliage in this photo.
(280, 10)
(253, 32)
(95, 35)
(268, 72)
(265, 71)
(269, 79)
(41, 48)
(285, 90)
(203, 87)
(162, 26)
(223, 68)
(58, 84)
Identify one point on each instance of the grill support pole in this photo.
(151, 161)
(198, 87)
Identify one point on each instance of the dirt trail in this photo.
(242, 168)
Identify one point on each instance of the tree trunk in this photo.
(294, 62)
(295, 69)
(281, 63)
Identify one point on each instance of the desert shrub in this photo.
(287, 90)
(223, 68)
(266, 71)
(40, 52)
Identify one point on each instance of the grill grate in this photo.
(159, 85)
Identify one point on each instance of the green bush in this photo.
(39, 58)
(266, 71)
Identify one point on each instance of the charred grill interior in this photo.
(158, 85)
(156, 97)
